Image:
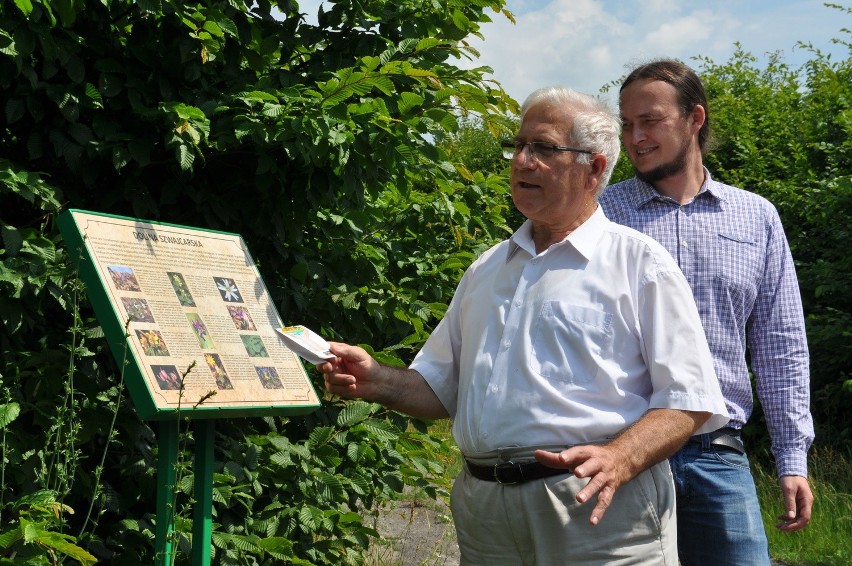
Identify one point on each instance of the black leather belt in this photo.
(510, 473)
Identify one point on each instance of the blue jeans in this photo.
(718, 516)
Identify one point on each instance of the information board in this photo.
(170, 296)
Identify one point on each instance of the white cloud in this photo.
(587, 44)
(695, 28)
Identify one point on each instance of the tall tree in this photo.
(313, 141)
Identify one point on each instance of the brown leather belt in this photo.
(511, 473)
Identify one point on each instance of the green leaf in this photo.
(25, 6)
(388, 54)
(428, 43)
(12, 240)
(10, 537)
(120, 157)
(320, 435)
(310, 518)
(40, 247)
(41, 498)
(407, 152)
(328, 485)
(64, 544)
(227, 25)
(92, 97)
(7, 44)
(8, 413)
(381, 429)
(462, 22)
(299, 272)
(359, 452)
(241, 542)
(384, 84)
(67, 12)
(408, 101)
(282, 459)
(279, 548)
(409, 44)
(213, 29)
(354, 412)
(186, 157)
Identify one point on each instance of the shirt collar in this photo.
(645, 193)
(584, 239)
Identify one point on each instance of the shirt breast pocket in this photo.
(570, 342)
(742, 262)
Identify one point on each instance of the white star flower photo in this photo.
(228, 289)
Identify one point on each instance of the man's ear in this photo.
(598, 165)
(698, 117)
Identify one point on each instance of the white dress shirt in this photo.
(571, 345)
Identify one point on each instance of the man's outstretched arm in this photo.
(354, 374)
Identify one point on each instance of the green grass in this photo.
(827, 540)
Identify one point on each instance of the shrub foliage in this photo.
(316, 142)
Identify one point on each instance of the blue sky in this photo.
(586, 44)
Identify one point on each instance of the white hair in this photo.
(596, 126)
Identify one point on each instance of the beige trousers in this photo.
(541, 523)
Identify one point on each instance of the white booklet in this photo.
(306, 343)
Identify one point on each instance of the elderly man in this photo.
(571, 359)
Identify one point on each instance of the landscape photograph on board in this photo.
(171, 298)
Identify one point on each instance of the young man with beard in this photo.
(731, 246)
(571, 359)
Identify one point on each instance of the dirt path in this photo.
(417, 533)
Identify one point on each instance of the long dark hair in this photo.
(690, 91)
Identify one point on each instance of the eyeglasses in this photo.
(540, 151)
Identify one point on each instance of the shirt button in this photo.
(684, 244)
(517, 303)
(506, 344)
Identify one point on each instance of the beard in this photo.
(666, 170)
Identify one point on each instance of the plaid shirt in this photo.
(731, 246)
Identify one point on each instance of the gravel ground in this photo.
(416, 533)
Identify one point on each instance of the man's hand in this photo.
(350, 374)
(654, 437)
(798, 503)
(354, 374)
(604, 465)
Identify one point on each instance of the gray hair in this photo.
(596, 126)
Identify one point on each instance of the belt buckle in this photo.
(506, 465)
(730, 441)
